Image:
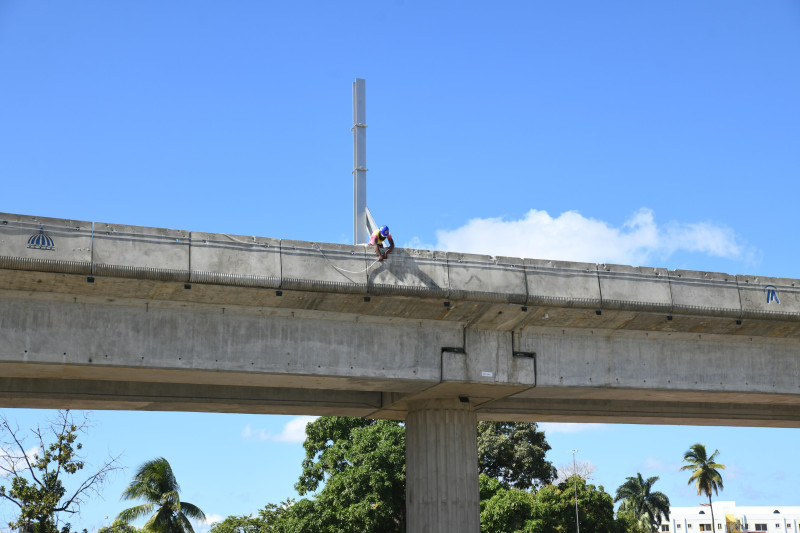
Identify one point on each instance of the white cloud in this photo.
(204, 526)
(654, 464)
(573, 237)
(293, 431)
(552, 427)
(733, 471)
(11, 462)
(213, 519)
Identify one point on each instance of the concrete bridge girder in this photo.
(107, 316)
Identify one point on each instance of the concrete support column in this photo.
(442, 467)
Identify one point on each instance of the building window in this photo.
(705, 527)
(719, 526)
(777, 524)
(688, 526)
(761, 527)
(677, 526)
(664, 527)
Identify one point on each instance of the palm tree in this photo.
(705, 473)
(647, 507)
(155, 483)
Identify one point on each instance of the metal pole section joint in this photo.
(359, 162)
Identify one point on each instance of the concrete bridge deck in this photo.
(104, 316)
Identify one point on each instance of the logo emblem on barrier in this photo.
(772, 294)
(41, 241)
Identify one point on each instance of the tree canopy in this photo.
(37, 477)
(550, 510)
(645, 505)
(514, 453)
(362, 463)
(155, 483)
(353, 475)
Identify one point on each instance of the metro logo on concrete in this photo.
(41, 241)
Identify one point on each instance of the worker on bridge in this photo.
(376, 240)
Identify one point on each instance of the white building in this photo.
(730, 518)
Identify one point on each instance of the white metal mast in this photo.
(360, 233)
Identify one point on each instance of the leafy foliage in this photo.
(514, 453)
(363, 465)
(504, 509)
(645, 505)
(629, 523)
(354, 475)
(37, 487)
(271, 519)
(155, 483)
(119, 527)
(550, 510)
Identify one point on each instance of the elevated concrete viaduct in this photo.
(104, 316)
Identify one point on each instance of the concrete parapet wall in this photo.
(627, 287)
(410, 273)
(45, 244)
(562, 283)
(323, 267)
(490, 279)
(75, 247)
(138, 252)
(235, 260)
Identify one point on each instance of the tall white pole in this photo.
(359, 163)
(575, 473)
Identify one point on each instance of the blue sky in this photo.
(654, 133)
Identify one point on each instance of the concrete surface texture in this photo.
(98, 315)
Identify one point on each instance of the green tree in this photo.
(271, 519)
(354, 477)
(646, 505)
(705, 473)
(239, 524)
(550, 510)
(119, 527)
(362, 463)
(556, 509)
(36, 472)
(155, 483)
(504, 509)
(627, 522)
(514, 453)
